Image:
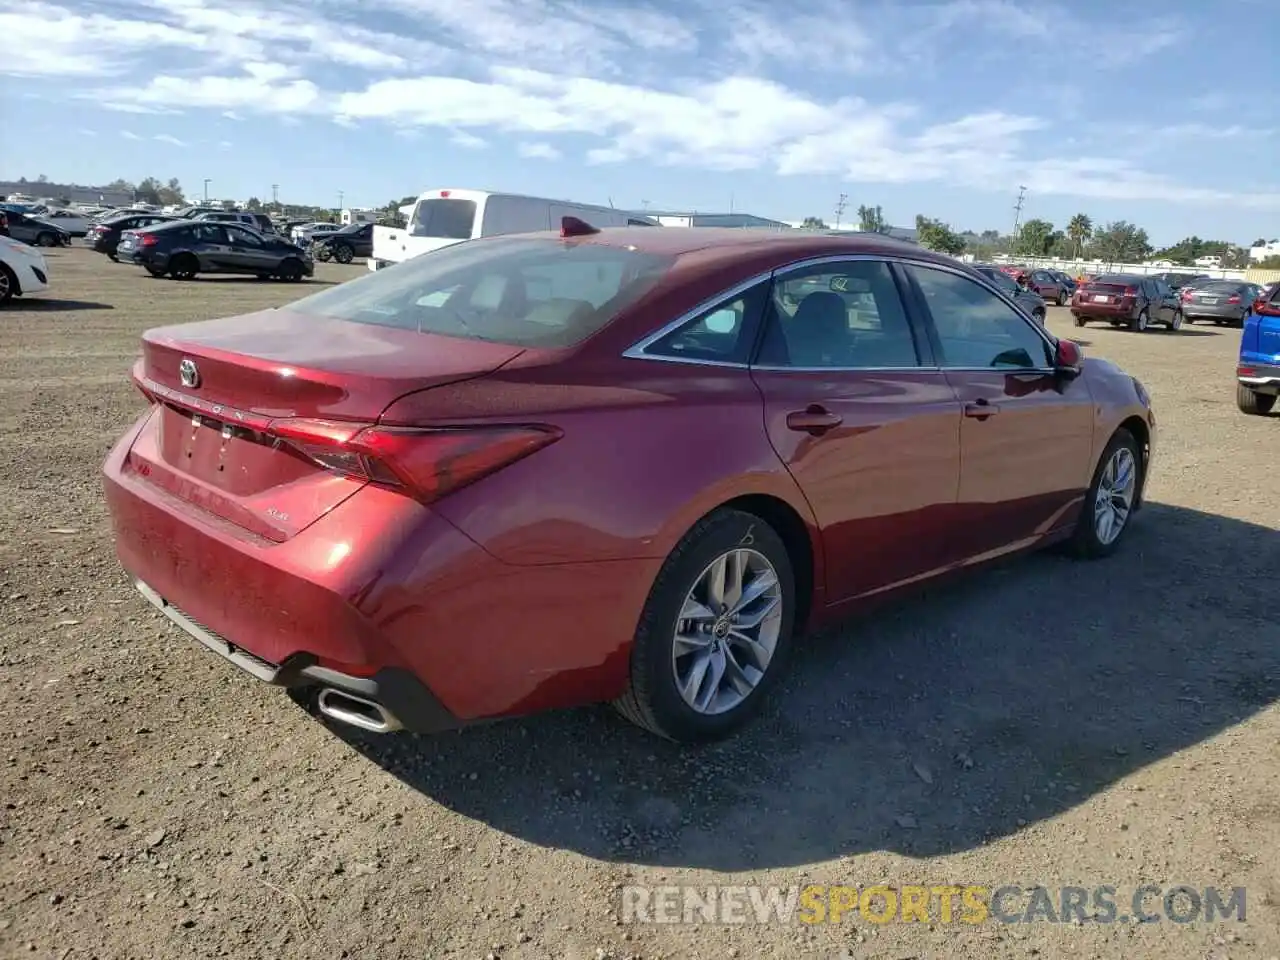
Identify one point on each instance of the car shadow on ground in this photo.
(301, 284)
(928, 728)
(60, 306)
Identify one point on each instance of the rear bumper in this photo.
(1214, 311)
(1262, 376)
(401, 694)
(384, 599)
(1102, 311)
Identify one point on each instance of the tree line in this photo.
(1116, 242)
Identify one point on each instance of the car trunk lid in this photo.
(253, 414)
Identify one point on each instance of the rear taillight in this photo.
(149, 239)
(1268, 309)
(1234, 298)
(426, 463)
(1184, 295)
(1130, 291)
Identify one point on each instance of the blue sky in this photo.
(1137, 110)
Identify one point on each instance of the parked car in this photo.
(257, 221)
(405, 526)
(1222, 301)
(23, 270)
(36, 230)
(73, 222)
(1258, 367)
(1067, 281)
(1028, 300)
(185, 248)
(304, 234)
(1127, 300)
(1047, 285)
(105, 237)
(194, 210)
(1180, 279)
(344, 245)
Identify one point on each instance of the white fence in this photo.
(1074, 267)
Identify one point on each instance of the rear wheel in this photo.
(1252, 402)
(8, 284)
(1062, 298)
(323, 254)
(1081, 321)
(184, 267)
(45, 239)
(1140, 323)
(290, 271)
(343, 253)
(1176, 323)
(1111, 499)
(715, 631)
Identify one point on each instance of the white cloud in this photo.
(169, 139)
(460, 138)
(630, 81)
(129, 135)
(538, 151)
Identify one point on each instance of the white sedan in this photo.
(22, 270)
(304, 234)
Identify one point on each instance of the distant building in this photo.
(1269, 249)
(72, 192)
(675, 218)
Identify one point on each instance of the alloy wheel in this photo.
(5, 286)
(1113, 502)
(727, 631)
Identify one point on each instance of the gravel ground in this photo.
(1045, 722)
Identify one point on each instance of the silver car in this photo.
(1222, 301)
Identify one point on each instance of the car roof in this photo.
(728, 243)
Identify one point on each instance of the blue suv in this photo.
(1258, 370)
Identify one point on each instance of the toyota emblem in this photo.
(189, 372)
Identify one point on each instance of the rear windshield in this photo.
(1221, 286)
(1119, 279)
(1002, 280)
(446, 219)
(521, 291)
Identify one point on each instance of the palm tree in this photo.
(1079, 230)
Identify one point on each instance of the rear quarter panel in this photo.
(648, 448)
(1116, 402)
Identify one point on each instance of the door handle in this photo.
(815, 420)
(980, 409)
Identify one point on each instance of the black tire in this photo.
(1081, 321)
(1176, 323)
(46, 239)
(343, 253)
(1085, 543)
(8, 284)
(652, 700)
(185, 266)
(290, 270)
(1062, 298)
(1252, 402)
(1142, 322)
(323, 254)
(1038, 314)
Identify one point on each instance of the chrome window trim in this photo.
(638, 350)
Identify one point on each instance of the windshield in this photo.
(444, 219)
(521, 291)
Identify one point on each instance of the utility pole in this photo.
(1017, 212)
(275, 194)
(340, 196)
(840, 205)
(207, 181)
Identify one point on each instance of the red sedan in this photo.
(626, 465)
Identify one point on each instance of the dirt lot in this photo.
(1043, 723)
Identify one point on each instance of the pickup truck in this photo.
(1258, 366)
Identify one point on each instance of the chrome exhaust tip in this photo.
(356, 711)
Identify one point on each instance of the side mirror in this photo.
(1067, 358)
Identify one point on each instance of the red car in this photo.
(627, 465)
